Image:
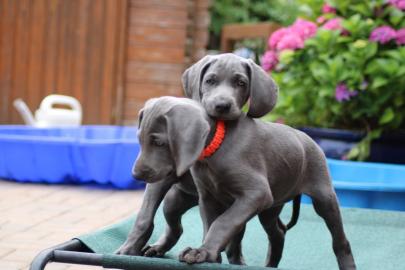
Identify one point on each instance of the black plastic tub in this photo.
(336, 143)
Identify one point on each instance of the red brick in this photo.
(203, 4)
(154, 73)
(178, 4)
(202, 20)
(155, 35)
(155, 54)
(172, 18)
(144, 91)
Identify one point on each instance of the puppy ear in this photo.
(140, 117)
(192, 77)
(187, 132)
(263, 91)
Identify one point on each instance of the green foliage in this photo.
(249, 11)
(308, 77)
(283, 12)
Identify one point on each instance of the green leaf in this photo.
(387, 116)
(378, 82)
(387, 66)
(371, 49)
(396, 16)
(361, 150)
(401, 71)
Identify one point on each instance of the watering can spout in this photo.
(24, 111)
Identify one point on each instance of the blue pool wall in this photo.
(105, 155)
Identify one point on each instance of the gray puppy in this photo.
(258, 167)
(179, 192)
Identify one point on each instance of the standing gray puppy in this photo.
(258, 167)
(179, 193)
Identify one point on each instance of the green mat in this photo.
(377, 239)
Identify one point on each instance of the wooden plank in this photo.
(78, 78)
(121, 56)
(36, 53)
(63, 37)
(93, 68)
(20, 56)
(107, 89)
(7, 22)
(52, 45)
(69, 44)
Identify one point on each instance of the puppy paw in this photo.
(198, 255)
(127, 249)
(153, 251)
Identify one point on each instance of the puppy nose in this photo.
(223, 107)
(141, 174)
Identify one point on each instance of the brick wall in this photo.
(197, 33)
(163, 38)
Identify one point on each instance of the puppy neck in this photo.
(213, 124)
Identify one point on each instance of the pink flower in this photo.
(277, 36)
(383, 34)
(342, 93)
(328, 9)
(269, 60)
(400, 36)
(290, 41)
(399, 4)
(321, 20)
(333, 24)
(292, 37)
(305, 29)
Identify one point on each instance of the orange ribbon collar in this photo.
(216, 142)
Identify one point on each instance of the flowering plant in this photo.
(344, 70)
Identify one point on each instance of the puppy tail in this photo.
(295, 212)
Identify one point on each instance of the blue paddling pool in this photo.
(88, 154)
(105, 154)
(368, 184)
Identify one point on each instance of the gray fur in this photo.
(179, 192)
(230, 79)
(264, 94)
(258, 168)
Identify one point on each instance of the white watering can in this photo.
(49, 116)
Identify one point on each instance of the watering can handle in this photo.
(50, 100)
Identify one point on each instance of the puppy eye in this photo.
(210, 81)
(157, 142)
(241, 83)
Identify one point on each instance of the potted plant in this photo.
(345, 70)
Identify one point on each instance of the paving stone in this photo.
(35, 217)
(11, 265)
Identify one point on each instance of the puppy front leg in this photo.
(210, 210)
(143, 227)
(226, 226)
(176, 203)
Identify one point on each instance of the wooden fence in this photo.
(112, 55)
(66, 47)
